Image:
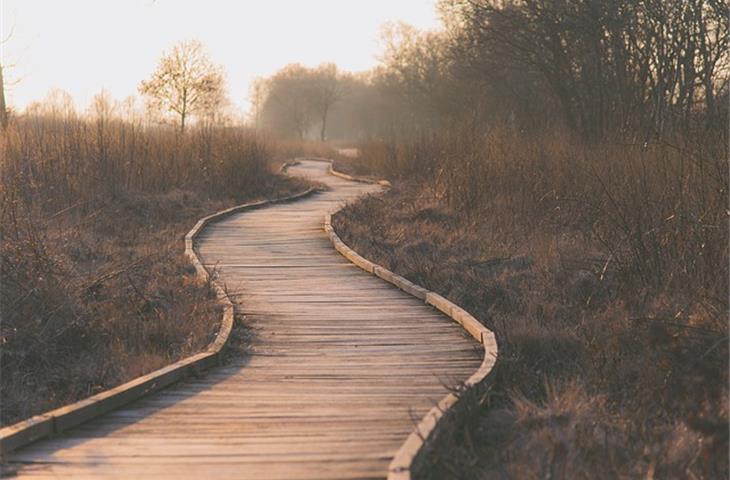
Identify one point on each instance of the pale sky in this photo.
(82, 46)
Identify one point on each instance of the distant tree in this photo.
(185, 83)
(292, 100)
(325, 90)
(288, 106)
(358, 113)
(257, 95)
(3, 109)
(414, 76)
(57, 104)
(102, 107)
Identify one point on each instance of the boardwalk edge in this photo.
(60, 419)
(400, 466)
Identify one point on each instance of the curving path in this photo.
(341, 366)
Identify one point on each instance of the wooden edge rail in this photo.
(63, 418)
(400, 466)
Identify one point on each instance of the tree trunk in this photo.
(707, 71)
(184, 111)
(3, 110)
(322, 135)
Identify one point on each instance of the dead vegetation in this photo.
(603, 269)
(95, 288)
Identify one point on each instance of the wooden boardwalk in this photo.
(340, 367)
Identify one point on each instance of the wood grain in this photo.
(341, 365)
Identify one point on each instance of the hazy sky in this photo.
(82, 46)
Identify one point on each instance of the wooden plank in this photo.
(439, 302)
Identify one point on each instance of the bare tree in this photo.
(287, 108)
(326, 90)
(57, 104)
(414, 75)
(3, 107)
(185, 83)
(257, 95)
(296, 97)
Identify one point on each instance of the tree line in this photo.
(599, 69)
(296, 98)
(186, 84)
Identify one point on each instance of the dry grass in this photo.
(95, 289)
(603, 271)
